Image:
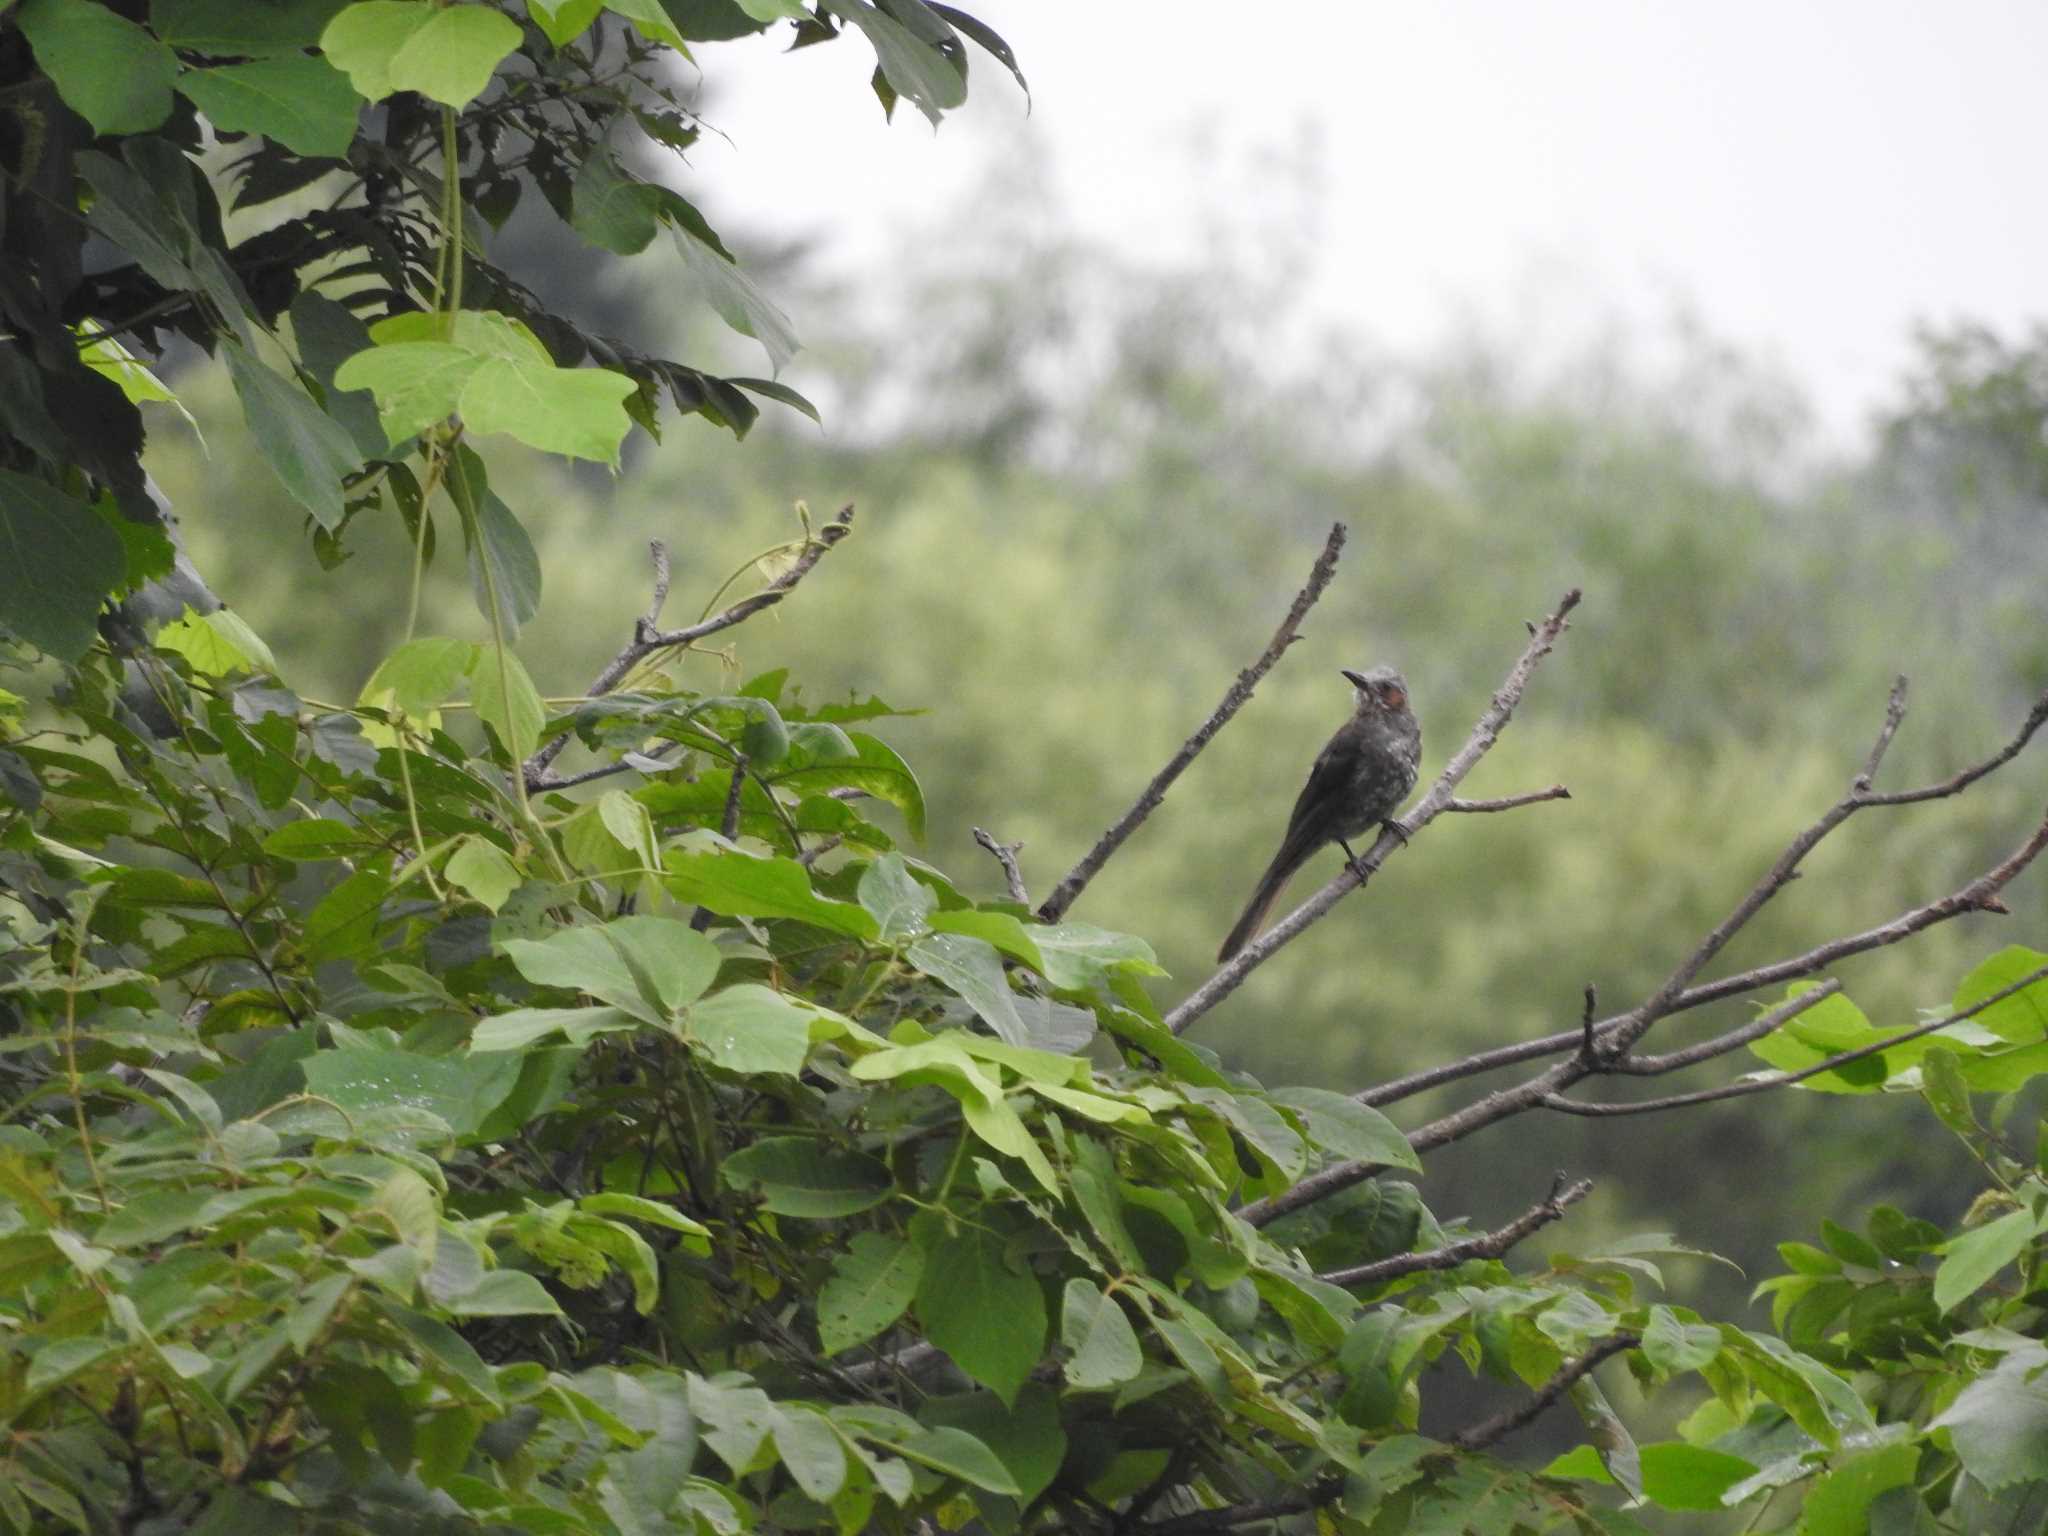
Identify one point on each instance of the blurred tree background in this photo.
(1087, 492)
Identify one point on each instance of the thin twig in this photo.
(1231, 1516)
(1488, 1245)
(728, 826)
(1785, 1079)
(910, 1359)
(1006, 855)
(1507, 802)
(657, 551)
(1501, 1425)
(1055, 906)
(1542, 637)
(647, 639)
(810, 856)
(1692, 1055)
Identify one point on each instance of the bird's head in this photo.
(1381, 688)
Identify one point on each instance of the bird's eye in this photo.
(1392, 696)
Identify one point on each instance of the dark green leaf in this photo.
(871, 1285)
(58, 562)
(797, 1176)
(310, 452)
(985, 1315)
(109, 71)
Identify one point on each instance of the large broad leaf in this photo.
(446, 53)
(1025, 1435)
(797, 1176)
(871, 1285)
(975, 971)
(988, 1317)
(503, 695)
(109, 71)
(2021, 1018)
(752, 1028)
(310, 452)
(899, 903)
(238, 29)
(1102, 1347)
(612, 209)
(304, 103)
(1829, 1028)
(58, 562)
(460, 1090)
(1972, 1259)
(738, 885)
(875, 769)
(1999, 1423)
(328, 335)
(1347, 1128)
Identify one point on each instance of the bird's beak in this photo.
(1356, 679)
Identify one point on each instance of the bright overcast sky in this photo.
(1810, 178)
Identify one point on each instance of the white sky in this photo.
(1811, 178)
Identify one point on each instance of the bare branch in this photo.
(1055, 906)
(1894, 715)
(647, 639)
(1006, 855)
(728, 826)
(1979, 895)
(1501, 1425)
(1509, 802)
(810, 856)
(1488, 1245)
(1542, 637)
(1231, 1516)
(909, 1359)
(1785, 1079)
(658, 551)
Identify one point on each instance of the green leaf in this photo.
(975, 971)
(1343, 1126)
(652, 23)
(1078, 955)
(563, 21)
(1973, 1258)
(1002, 930)
(309, 451)
(987, 1317)
(522, 1026)
(109, 71)
(328, 334)
(811, 1451)
(1681, 1476)
(502, 560)
(416, 383)
(958, 1454)
(236, 28)
(797, 1176)
(303, 103)
(579, 412)
(739, 885)
(1672, 1345)
(875, 769)
(344, 922)
(448, 54)
(899, 903)
(57, 564)
(460, 1090)
(732, 294)
(919, 73)
(1826, 1029)
(586, 959)
(1838, 1504)
(1026, 1436)
(1102, 1347)
(505, 1293)
(613, 210)
(505, 699)
(2022, 1018)
(871, 1286)
(752, 1028)
(1999, 1422)
(218, 644)
(483, 869)
(318, 838)
(421, 675)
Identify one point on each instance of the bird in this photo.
(1358, 780)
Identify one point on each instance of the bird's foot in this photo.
(1400, 832)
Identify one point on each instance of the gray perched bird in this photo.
(1358, 781)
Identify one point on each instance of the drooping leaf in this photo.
(797, 1176)
(987, 1316)
(109, 71)
(58, 562)
(870, 1287)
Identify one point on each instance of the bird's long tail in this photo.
(1290, 858)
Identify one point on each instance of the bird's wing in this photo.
(1329, 784)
